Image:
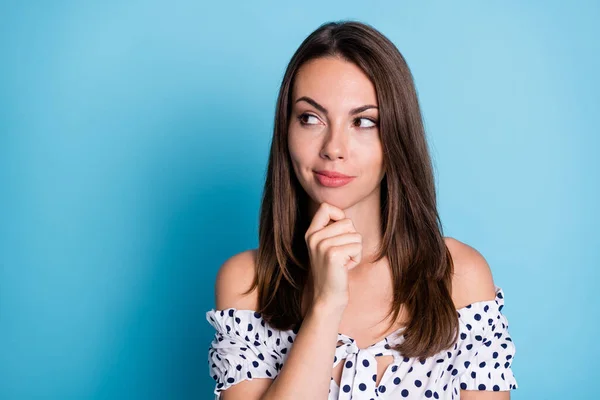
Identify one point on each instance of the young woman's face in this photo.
(334, 127)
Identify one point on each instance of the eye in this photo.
(301, 118)
(371, 123)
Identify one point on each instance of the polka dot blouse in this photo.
(245, 347)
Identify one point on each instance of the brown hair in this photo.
(420, 262)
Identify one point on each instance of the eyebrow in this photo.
(324, 110)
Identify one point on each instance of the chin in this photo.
(340, 199)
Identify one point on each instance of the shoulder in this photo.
(472, 280)
(234, 279)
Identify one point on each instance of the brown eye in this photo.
(370, 123)
(302, 117)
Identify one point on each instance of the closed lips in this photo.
(332, 174)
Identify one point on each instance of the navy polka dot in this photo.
(483, 337)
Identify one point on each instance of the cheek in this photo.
(370, 155)
(297, 156)
(378, 154)
(292, 139)
(293, 150)
(300, 149)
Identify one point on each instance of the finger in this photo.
(336, 228)
(339, 240)
(349, 255)
(324, 214)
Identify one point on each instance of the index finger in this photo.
(324, 214)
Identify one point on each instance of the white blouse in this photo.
(246, 347)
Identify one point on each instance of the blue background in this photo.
(133, 146)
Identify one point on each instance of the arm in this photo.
(472, 282)
(306, 374)
(484, 395)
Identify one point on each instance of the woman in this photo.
(353, 291)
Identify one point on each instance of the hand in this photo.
(333, 250)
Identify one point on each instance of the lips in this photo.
(333, 174)
(332, 179)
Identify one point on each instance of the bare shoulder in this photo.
(472, 280)
(234, 278)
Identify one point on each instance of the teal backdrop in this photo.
(133, 144)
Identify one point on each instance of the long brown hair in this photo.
(420, 262)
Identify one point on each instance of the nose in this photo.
(335, 146)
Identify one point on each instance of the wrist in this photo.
(329, 308)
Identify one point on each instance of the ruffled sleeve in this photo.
(485, 335)
(244, 348)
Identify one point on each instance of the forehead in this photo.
(334, 83)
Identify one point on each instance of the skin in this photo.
(350, 144)
(338, 141)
